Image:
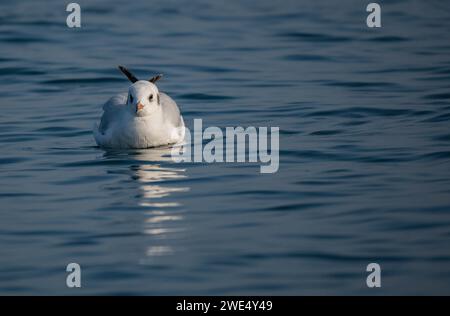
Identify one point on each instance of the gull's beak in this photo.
(139, 106)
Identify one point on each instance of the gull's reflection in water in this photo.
(156, 173)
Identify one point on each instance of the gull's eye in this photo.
(130, 98)
(150, 98)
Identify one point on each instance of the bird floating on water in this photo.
(142, 118)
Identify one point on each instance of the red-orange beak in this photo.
(139, 106)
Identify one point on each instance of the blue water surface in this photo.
(364, 149)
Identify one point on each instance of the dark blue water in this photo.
(364, 149)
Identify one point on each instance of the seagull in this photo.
(142, 118)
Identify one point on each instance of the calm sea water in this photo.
(364, 149)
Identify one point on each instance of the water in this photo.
(364, 149)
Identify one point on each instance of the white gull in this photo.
(142, 118)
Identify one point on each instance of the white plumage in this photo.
(143, 118)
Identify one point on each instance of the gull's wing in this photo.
(111, 110)
(171, 110)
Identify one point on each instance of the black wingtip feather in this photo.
(127, 73)
(155, 78)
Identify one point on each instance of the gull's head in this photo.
(143, 98)
(143, 95)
